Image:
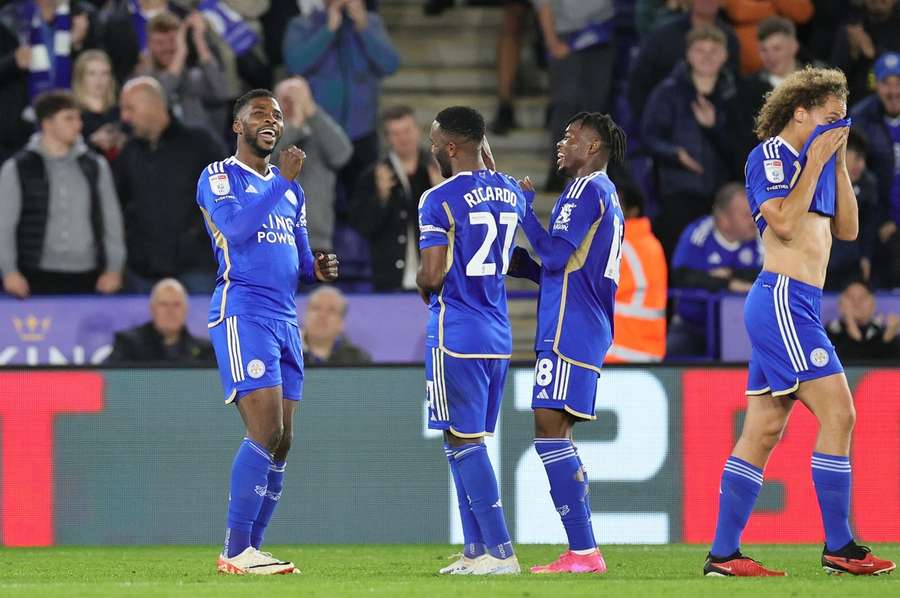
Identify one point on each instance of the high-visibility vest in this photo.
(640, 316)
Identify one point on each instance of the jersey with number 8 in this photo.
(476, 215)
(575, 312)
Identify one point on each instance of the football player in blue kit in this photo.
(467, 225)
(256, 218)
(801, 196)
(578, 277)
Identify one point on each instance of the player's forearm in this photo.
(786, 213)
(304, 252)
(239, 223)
(553, 251)
(845, 225)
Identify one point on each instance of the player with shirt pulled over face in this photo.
(800, 195)
(578, 277)
(256, 218)
(467, 225)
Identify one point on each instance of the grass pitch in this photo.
(406, 571)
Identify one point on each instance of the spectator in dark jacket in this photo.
(867, 34)
(852, 260)
(327, 149)
(687, 129)
(385, 202)
(858, 333)
(165, 337)
(323, 331)
(878, 117)
(344, 51)
(156, 175)
(665, 46)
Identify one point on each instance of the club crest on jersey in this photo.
(219, 184)
(774, 170)
(565, 216)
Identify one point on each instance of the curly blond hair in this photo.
(806, 88)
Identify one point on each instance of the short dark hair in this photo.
(247, 98)
(856, 280)
(396, 113)
(857, 142)
(702, 33)
(51, 102)
(612, 134)
(631, 197)
(164, 22)
(462, 121)
(775, 24)
(725, 194)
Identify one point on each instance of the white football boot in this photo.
(253, 562)
(490, 565)
(463, 563)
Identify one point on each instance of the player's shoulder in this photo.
(773, 148)
(592, 186)
(216, 177)
(443, 190)
(700, 230)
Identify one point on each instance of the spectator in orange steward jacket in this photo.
(640, 315)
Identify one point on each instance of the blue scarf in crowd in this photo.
(139, 22)
(230, 25)
(51, 50)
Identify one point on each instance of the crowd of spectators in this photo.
(112, 107)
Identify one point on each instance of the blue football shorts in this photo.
(254, 352)
(788, 340)
(559, 384)
(463, 395)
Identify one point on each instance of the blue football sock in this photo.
(474, 543)
(480, 484)
(831, 476)
(270, 501)
(587, 497)
(249, 477)
(740, 486)
(569, 494)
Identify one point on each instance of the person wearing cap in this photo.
(878, 117)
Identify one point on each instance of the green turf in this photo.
(408, 571)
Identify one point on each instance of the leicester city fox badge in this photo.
(219, 184)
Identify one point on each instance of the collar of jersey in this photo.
(721, 240)
(269, 174)
(788, 145)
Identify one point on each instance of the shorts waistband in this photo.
(772, 278)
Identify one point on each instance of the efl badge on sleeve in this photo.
(774, 170)
(219, 184)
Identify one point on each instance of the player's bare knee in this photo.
(840, 421)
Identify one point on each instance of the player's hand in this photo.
(487, 155)
(79, 30)
(290, 161)
(529, 191)
(852, 328)
(425, 295)
(558, 49)
(887, 230)
(326, 267)
(109, 282)
(704, 112)
(520, 263)
(384, 181)
(860, 42)
(16, 285)
(826, 144)
(688, 161)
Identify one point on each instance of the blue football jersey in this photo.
(257, 225)
(772, 170)
(826, 187)
(476, 215)
(575, 309)
(701, 247)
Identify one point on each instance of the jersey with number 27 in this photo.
(476, 215)
(575, 310)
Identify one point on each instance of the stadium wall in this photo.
(143, 457)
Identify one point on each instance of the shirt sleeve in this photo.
(687, 255)
(301, 236)
(577, 214)
(767, 179)
(216, 195)
(434, 224)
